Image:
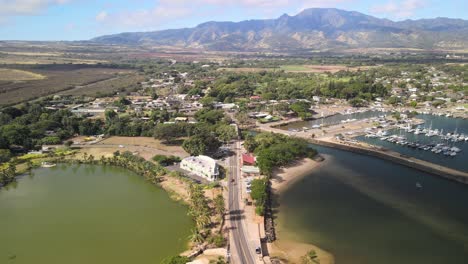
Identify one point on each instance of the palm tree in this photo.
(219, 205)
(196, 236)
(202, 221)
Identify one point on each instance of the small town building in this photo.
(181, 119)
(248, 159)
(202, 166)
(249, 171)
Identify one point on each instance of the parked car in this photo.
(258, 250)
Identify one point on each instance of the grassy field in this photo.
(58, 78)
(320, 68)
(25, 58)
(19, 75)
(146, 147)
(299, 69)
(122, 82)
(48, 54)
(241, 70)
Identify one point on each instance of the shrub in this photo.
(217, 240)
(166, 160)
(175, 260)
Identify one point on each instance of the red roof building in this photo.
(248, 159)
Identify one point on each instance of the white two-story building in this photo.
(202, 166)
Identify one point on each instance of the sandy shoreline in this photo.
(285, 177)
(285, 248)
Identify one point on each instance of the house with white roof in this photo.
(202, 166)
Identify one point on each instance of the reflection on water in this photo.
(332, 120)
(78, 214)
(365, 210)
(448, 125)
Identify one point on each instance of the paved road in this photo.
(242, 252)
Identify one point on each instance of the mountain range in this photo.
(311, 29)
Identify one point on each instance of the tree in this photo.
(68, 143)
(110, 115)
(396, 115)
(249, 143)
(16, 134)
(243, 119)
(51, 141)
(357, 102)
(195, 146)
(166, 160)
(219, 205)
(393, 100)
(259, 194)
(166, 132)
(176, 260)
(226, 133)
(301, 109)
(220, 260)
(122, 102)
(201, 144)
(310, 258)
(8, 174)
(5, 155)
(209, 116)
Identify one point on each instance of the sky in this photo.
(85, 19)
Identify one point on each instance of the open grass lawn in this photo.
(58, 78)
(119, 83)
(320, 68)
(242, 70)
(146, 147)
(19, 75)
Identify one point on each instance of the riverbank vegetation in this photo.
(166, 160)
(275, 150)
(205, 137)
(206, 213)
(152, 172)
(259, 193)
(17, 165)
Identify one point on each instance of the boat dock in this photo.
(370, 150)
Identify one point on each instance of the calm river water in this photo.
(332, 120)
(89, 214)
(366, 211)
(460, 162)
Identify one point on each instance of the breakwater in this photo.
(398, 158)
(384, 154)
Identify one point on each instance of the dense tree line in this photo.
(204, 137)
(149, 170)
(274, 150)
(200, 211)
(28, 126)
(7, 174)
(259, 193)
(279, 85)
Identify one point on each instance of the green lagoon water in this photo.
(89, 214)
(368, 211)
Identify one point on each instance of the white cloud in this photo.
(172, 10)
(401, 9)
(102, 16)
(276, 4)
(165, 10)
(26, 7)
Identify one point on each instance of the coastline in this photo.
(384, 154)
(286, 247)
(284, 178)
